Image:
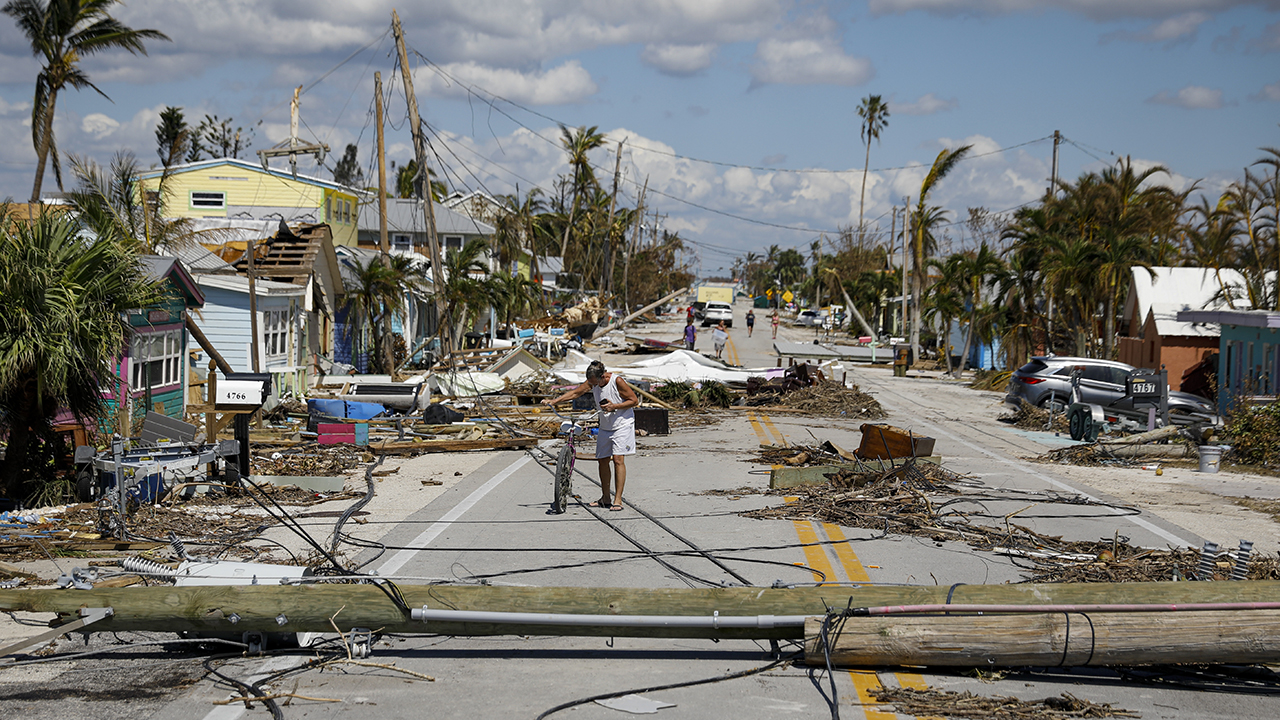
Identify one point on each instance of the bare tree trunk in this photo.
(968, 340)
(42, 150)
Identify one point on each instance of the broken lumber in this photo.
(785, 477)
(1051, 639)
(395, 447)
(1146, 451)
(1150, 436)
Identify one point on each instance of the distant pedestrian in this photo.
(751, 321)
(615, 401)
(688, 315)
(774, 319)
(720, 337)
(690, 334)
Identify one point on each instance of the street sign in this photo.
(787, 296)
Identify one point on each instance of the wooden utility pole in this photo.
(906, 225)
(388, 353)
(893, 232)
(253, 308)
(424, 185)
(606, 282)
(632, 245)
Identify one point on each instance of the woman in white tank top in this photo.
(615, 400)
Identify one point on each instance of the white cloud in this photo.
(808, 61)
(98, 125)
(8, 108)
(1170, 30)
(1268, 93)
(679, 59)
(566, 83)
(1094, 9)
(1191, 97)
(929, 104)
(1268, 40)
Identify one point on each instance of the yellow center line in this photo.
(732, 352)
(864, 681)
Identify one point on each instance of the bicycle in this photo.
(562, 488)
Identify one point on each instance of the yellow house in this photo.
(232, 188)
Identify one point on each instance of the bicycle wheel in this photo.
(563, 480)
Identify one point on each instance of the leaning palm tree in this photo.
(65, 301)
(113, 197)
(943, 164)
(62, 33)
(875, 118)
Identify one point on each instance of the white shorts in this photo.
(619, 441)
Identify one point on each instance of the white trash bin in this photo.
(1210, 456)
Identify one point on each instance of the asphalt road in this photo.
(493, 527)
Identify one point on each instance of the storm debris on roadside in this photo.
(1030, 417)
(946, 703)
(824, 398)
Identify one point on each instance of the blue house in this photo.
(1248, 353)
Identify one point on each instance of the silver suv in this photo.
(1046, 382)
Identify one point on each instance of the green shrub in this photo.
(1254, 435)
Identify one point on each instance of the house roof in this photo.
(161, 268)
(236, 283)
(1167, 291)
(246, 165)
(199, 260)
(406, 216)
(1247, 318)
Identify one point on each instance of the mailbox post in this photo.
(243, 394)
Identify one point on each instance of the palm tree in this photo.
(62, 33)
(62, 328)
(875, 118)
(982, 268)
(112, 198)
(578, 143)
(460, 289)
(922, 218)
(377, 290)
(513, 294)
(945, 300)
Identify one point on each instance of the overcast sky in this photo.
(739, 113)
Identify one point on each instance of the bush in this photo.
(1254, 435)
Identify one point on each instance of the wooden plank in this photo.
(785, 477)
(1046, 640)
(206, 609)
(397, 448)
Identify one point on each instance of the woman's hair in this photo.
(595, 370)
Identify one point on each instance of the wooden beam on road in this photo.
(396, 447)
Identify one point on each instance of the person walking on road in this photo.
(615, 400)
(720, 337)
(774, 319)
(751, 321)
(690, 334)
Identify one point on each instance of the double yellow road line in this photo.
(820, 561)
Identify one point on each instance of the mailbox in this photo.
(240, 393)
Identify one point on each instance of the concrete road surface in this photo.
(493, 527)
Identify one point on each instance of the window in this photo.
(452, 243)
(402, 242)
(328, 209)
(346, 211)
(155, 359)
(208, 200)
(275, 330)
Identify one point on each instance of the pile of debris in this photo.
(805, 389)
(946, 703)
(1162, 444)
(1030, 417)
(694, 395)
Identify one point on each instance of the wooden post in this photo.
(1048, 640)
(388, 356)
(424, 183)
(210, 416)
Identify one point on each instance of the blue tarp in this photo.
(345, 409)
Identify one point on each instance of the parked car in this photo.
(715, 312)
(810, 318)
(1045, 382)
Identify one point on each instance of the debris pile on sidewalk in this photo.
(1030, 417)
(946, 703)
(805, 390)
(1166, 443)
(695, 395)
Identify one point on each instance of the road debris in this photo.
(946, 703)
(1030, 417)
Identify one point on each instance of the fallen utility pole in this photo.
(641, 311)
(1062, 639)
(308, 608)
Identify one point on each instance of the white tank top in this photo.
(611, 421)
